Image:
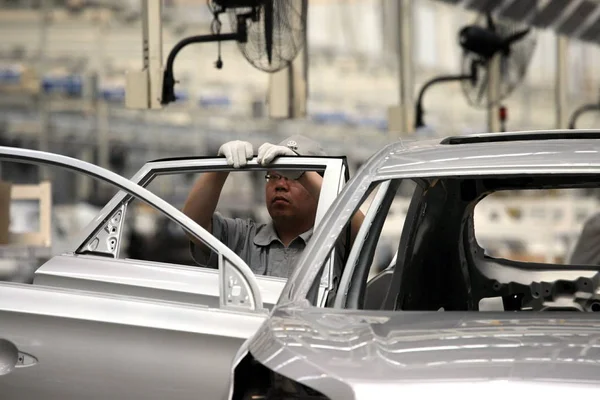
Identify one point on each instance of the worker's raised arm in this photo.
(202, 200)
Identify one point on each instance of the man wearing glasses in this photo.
(291, 199)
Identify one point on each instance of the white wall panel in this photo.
(353, 27)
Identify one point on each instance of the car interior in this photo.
(440, 265)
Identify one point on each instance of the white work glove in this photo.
(267, 152)
(237, 152)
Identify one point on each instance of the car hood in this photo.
(345, 352)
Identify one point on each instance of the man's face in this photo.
(288, 199)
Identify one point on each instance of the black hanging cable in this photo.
(215, 28)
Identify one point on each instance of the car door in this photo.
(95, 263)
(66, 344)
(79, 332)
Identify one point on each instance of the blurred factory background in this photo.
(62, 89)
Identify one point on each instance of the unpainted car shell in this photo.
(368, 354)
(95, 326)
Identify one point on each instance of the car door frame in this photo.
(105, 271)
(231, 266)
(332, 183)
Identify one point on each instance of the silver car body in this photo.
(351, 352)
(95, 326)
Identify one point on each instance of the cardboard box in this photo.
(5, 199)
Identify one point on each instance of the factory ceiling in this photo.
(577, 19)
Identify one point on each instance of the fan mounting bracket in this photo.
(168, 82)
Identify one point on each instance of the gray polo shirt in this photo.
(259, 246)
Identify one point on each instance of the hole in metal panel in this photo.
(93, 244)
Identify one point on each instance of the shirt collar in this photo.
(266, 234)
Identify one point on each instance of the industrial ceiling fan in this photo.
(269, 33)
(481, 42)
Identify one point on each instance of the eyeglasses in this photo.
(274, 177)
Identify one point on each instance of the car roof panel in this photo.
(552, 152)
